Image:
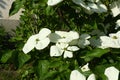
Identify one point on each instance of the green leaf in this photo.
(115, 51)
(46, 69)
(22, 59)
(55, 64)
(42, 69)
(7, 55)
(95, 53)
(50, 74)
(16, 5)
(99, 71)
(49, 11)
(43, 2)
(95, 25)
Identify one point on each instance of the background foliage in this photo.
(38, 65)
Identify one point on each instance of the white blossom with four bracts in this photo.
(62, 40)
(38, 41)
(111, 41)
(63, 49)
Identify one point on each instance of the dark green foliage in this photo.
(38, 65)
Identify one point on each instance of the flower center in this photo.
(63, 37)
(114, 37)
(37, 40)
(65, 49)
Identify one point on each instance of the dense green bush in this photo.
(65, 16)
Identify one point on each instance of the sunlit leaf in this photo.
(95, 53)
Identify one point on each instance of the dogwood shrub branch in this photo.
(68, 42)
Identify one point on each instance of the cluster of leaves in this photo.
(6, 67)
(38, 64)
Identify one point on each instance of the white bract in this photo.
(60, 48)
(38, 41)
(115, 8)
(76, 75)
(112, 73)
(101, 7)
(117, 24)
(111, 41)
(63, 36)
(53, 2)
(62, 40)
(92, 6)
(84, 5)
(85, 68)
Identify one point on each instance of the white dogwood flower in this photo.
(112, 73)
(101, 7)
(92, 6)
(106, 42)
(85, 68)
(111, 41)
(60, 48)
(53, 2)
(38, 41)
(84, 5)
(76, 75)
(115, 35)
(117, 24)
(115, 8)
